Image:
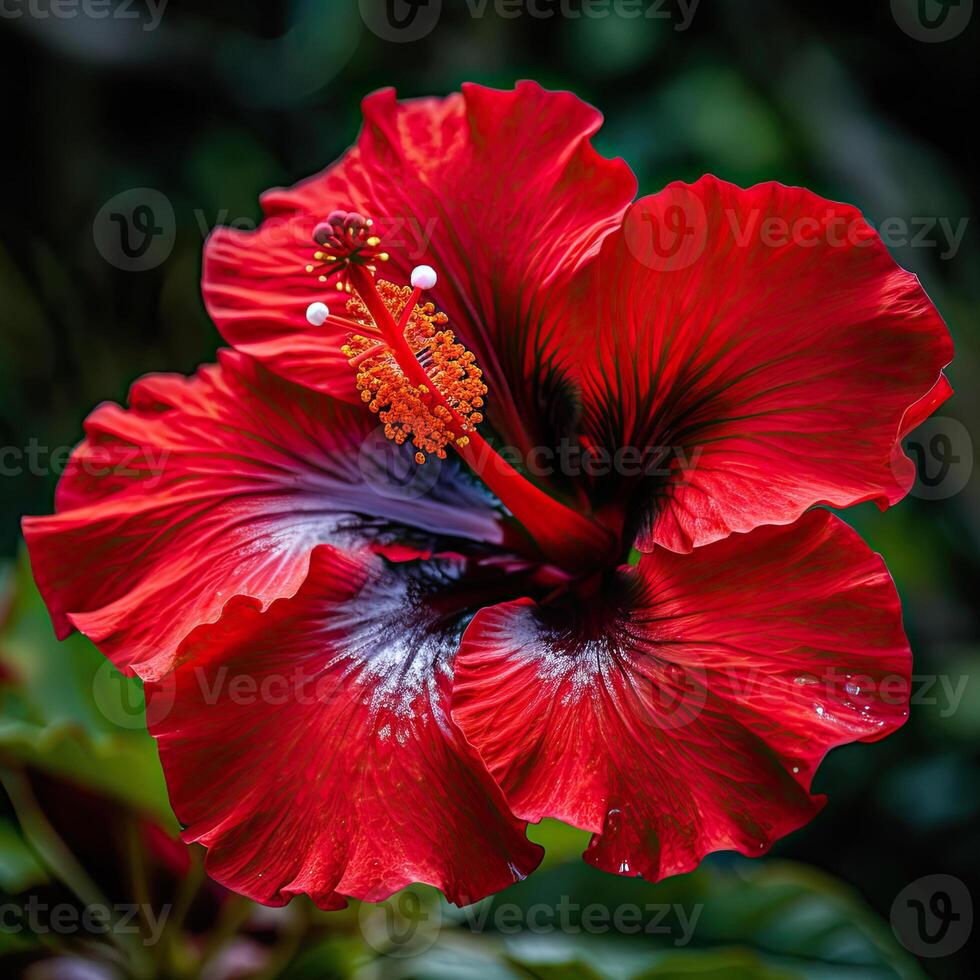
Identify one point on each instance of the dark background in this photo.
(222, 100)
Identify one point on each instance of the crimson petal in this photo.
(217, 485)
(763, 346)
(310, 746)
(687, 711)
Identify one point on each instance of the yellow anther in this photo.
(406, 410)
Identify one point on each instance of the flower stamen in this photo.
(407, 408)
(426, 387)
(344, 239)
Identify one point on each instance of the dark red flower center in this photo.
(426, 387)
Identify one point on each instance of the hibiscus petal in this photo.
(217, 485)
(764, 338)
(500, 191)
(687, 712)
(310, 746)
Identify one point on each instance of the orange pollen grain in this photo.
(409, 412)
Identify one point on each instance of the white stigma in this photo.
(423, 277)
(317, 313)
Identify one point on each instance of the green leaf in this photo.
(561, 842)
(722, 964)
(732, 917)
(19, 868)
(66, 710)
(571, 970)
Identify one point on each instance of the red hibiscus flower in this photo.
(374, 565)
